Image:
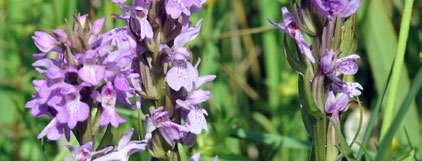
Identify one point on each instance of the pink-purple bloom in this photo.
(107, 98)
(96, 71)
(124, 148)
(170, 131)
(54, 130)
(331, 64)
(332, 8)
(136, 18)
(44, 41)
(85, 152)
(336, 104)
(184, 74)
(291, 28)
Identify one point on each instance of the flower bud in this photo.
(44, 41)
(60, 35)
(97, 26)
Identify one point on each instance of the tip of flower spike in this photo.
(98, 26)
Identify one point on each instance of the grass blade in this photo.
(398, 64)
(386, 141)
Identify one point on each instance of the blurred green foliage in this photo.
(254, 113)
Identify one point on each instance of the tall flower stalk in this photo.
(89, 74)
(322, 65)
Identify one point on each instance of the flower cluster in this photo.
(322, 65)
(330, 65)
(147, 61)
(85, 70)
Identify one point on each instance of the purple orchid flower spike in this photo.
(291, 29)
(107, 98)
(85, 153)
(332, 8)
(170, 131)
(125, 148)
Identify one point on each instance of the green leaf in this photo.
(384, 146)
(182, 152)
(270, 53)
(398, 64)
(381, 45)
(264, 122)
(107, 138)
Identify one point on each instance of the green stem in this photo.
(319, 138)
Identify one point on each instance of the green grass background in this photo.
(254, 109)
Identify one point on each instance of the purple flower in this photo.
(179, 52)
(44, 41)
(125, 148)
(332, 8)
(336, 104)
(169, 130)
(118, 37)
(60, 35)
(291, 29)
(187, 35)
(350, 88)
(175, 8)
(54, 130)
(38, 103)
(91, 72)
(107, 98)
(69, 108)
(85, 153)
(195, 119)
(136, 18)
(184, 74)
(330, 64)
